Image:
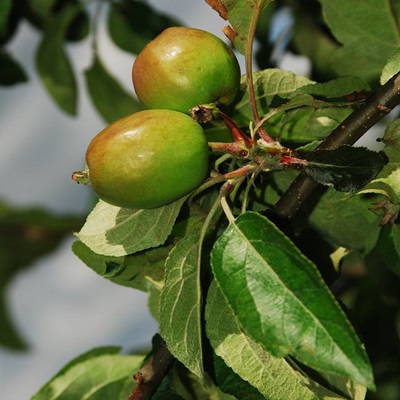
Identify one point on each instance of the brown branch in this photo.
(150, 376)
(348, 132)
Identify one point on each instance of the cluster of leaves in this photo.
(131, 24)
(250, 308)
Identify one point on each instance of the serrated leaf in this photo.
(281, 301)
(108, 96)
(115, 231)
(132, 24)
(243, 16)
(345, 168)
(143, 270)
(10, 71)
(274, 378)
(53, 64)
(96, 375)
(267, 84)
(354, 24)
(341, 219)
(335, 88)
(181, 304)
(392, 66)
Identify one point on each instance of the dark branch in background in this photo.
(348, 132)
(150, 376)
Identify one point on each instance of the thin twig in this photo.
(149, 377)
(249, 75)
(348, 132)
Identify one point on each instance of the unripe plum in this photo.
(148, 159)
(184, 67)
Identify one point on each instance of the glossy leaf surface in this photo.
(281, 301)
(275, 378)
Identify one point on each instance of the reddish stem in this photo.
(236, 131)
(237, 149)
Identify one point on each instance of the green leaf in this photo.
(10, 71)
(108, 96)
(345, 168)
(5, 8)
(281, 301)
(115, 231)
(10, 337)
(40, 9)
(388, 187)
(346, 221)
(356, 25)
(53, 64)
(143, 270)
(267, 84)
(96, 375)
(311, 39)
(275, 378)
(40, 13)
(181, 304)
(392, 66)
(243, 15)
(335, 88)
(389, 248)
(132, 24)
(189, 387)
(304, 118)
(232, 383)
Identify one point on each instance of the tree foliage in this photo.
(275, 284)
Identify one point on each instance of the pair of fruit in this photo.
(156, 156)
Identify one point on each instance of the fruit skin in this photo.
(184, 67)
(148, 159)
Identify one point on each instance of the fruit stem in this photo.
(249, 76)
(81, 177)
(237, 133)
(237, 149)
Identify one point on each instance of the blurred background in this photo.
(56, 308)
(59, 307)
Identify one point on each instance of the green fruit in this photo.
(185, 67)
(148, 159)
